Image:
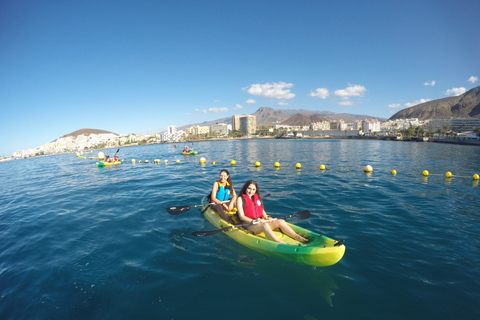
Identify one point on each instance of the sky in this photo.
(140, 66)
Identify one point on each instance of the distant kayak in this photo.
(191, 152)
(106, 164)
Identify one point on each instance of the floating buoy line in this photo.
(368, 169)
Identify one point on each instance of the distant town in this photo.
(245, 126)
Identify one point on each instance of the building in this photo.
(370, 126)
(198, 130)
(236, 121)
(168, 136)
(455, 124)
(248, 124)
(220, 129)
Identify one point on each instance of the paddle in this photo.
(305, 214)
(181, 209)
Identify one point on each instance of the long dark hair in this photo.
(245, 186)
(229, 180)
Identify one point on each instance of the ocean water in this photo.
(82, 242)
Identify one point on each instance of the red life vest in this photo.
(252, 208)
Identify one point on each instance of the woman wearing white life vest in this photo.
(223, 192)
(250, 209)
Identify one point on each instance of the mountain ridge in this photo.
(466, 105)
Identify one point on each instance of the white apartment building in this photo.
(221, 129)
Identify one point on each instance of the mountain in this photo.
(303, 119)
(466, 105)
(268, 116)
(85, 132)
(347, 117)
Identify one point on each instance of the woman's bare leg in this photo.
(280, 223)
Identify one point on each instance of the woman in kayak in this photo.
(223, 192)
(115, 158)
(250, 209)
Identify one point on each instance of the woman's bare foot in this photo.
(301, 239)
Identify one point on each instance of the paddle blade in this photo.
(178, 210)
(305, 214)
(208, 232)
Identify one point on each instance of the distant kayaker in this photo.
(107, 159)
(250, 209)
(223, 192)
(115, 158)
(185, 149)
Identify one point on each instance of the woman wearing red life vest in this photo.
(250, 209)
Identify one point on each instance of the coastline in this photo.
(330, 137)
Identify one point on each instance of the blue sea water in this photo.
(82, 242)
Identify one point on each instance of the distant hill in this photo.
(85, 132)
(268, 116)
(303, 119)
(329, 115)
(466, 105)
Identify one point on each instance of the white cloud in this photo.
(251, 101)
(237, 107)
(197, 110)
(411, 104)
(455, 91)
(345, 103)
(282, 103)
(432, 83)
(274, 90)
(351, 91)
(322, 93)
(217, 101)
(394, 105)
(215, 110)
(472, 79)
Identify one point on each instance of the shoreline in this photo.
(390, 138)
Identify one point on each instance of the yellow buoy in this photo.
(257, 164)
(322, 167)
(276, 164)
(214, 163)
(475, 177)
(178, 161)
(166, 161)
(146, 161)
(232, 162)
(101, 156)
(133, 160)
(139, 161)
(425, 173)
(298, 166)
(368, 168)
(394, 172)
(202, 160)
(448, 174)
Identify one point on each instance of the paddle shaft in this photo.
(305, 214)
(181, 209)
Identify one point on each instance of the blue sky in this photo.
(140, 66)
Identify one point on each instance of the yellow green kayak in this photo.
(191, 152)
(319, 251)
(105, 164)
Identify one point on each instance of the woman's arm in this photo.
(241, 214)
(233, 201)
(214, 193)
